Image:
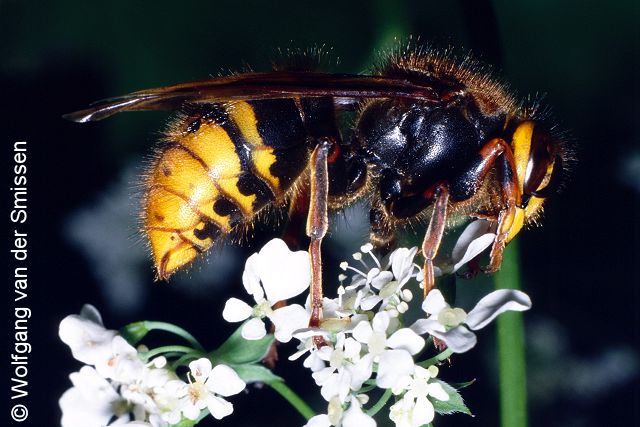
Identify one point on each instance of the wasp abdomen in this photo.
(218, 169)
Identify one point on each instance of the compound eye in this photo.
(544, 170)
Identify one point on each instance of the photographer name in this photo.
(21, 312)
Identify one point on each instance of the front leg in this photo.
(510, 215)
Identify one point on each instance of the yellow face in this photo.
(538, 168)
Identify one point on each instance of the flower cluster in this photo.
(374, 346)
(369, 344)
(117, 386)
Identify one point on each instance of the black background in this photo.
(580, 268)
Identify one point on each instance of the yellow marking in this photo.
(167, 210)
(535, 203)
(215, 149)
(171, 250)
(180, 192)
(516, 226)
(522, 149)
(262, 162)
(244, 117)
(262, 155)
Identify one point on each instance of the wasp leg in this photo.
(507, 216)
(496, 152)
(433, 236)
(317, 225)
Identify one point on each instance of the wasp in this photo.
(432, 139)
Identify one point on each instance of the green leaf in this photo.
(185, 422)
(256, 373)
(454, 404)
(239, 351)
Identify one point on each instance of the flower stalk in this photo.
(510, 343)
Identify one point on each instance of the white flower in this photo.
(376, 284)
(206, 389)
(454, 326)
(149, 391)
(475, 238)
(393, 354)
(415, 409)
(390, 291)
(320, 420)
(92, 401)
(344, 372)
(88, 339)
(307, 345)
(353, 416)
(279, 274)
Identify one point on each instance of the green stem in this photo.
(436, 359)
(511, 353)
(380, 403)
(174, 329)
(293, 398)
(167, 349)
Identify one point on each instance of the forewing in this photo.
(348, 89)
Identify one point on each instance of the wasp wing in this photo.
(348, 89)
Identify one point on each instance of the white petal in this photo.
(458, 339)
(393, 365)
(381, 279)
(289, 319)
(354, 417)
(225, 381)
(436, 390)
(236, 310)
(352, 348)
(402, 263)
(474, 249)
(284, 274)
(254, 329)
(321, 420)
(361, 371)
(322, 375)
(472, 231)
(89, 342)
(406, 339)
(200, 369)
(251, 277)
(363, 331)
(191, 411)
(423, 411)
(430, 325)
(304, 333)
(336, 384)
(313, 362)
(380, 322)
(77, 412)
(369, 302)
(495, 303)
(434, 303)
(91, 313)
(219, 407)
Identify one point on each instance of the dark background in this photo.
(580, 268)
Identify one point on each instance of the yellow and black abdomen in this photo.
(219, 166)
